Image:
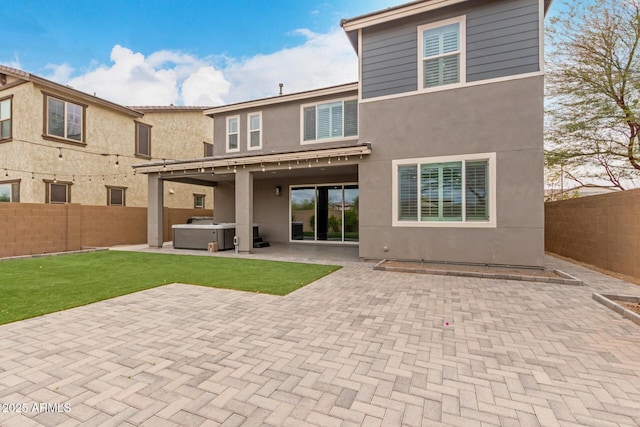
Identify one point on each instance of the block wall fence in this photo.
(602, 230)
(32, 228)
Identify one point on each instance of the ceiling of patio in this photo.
(227, 175)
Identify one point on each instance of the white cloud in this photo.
(323, 60)
(167, 77)
(207, 86)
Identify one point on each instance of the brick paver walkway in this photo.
(357, 348)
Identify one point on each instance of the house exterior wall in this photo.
(502, 39)
(180, 135)
(108, 131)
(271, 212)
(451, 123)
(281, 126)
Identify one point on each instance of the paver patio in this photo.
(358, 347)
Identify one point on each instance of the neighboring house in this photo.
(435, 154)
(60, 145)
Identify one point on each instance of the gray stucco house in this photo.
(436, 153)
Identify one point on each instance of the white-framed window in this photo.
(442, 57)
(143, 140)
(233, 134)
(254, 131)
(449, 191)
(116, 196)
(329, 120)
(198, 201)
(5, 119)
(64, 119)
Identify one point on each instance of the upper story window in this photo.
(233, 136)
(143, 140)
(442, 57)
(254, 130)
(208, 149)
(445, 191)
(64, 119)
(5, 119)
(330, 120)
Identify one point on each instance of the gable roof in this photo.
(67, 90)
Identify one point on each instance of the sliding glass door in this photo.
(326, 213)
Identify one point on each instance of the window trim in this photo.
(47, 196)
(462, 20)
(329, 101)
(15, 190)
(491, 223)
(237, 149)
(136, 148)
(115, 187)
(45, 120)
(249, 130)
(195, 198)
(10, 137)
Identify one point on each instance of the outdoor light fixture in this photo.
(60, 153)
(117, 160)
(278, 190)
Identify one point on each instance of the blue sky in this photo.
(184, 52)
(195, 52)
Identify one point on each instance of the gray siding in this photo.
(389, 63)
(502, 40)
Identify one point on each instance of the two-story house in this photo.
(436, 153)
(61, 145)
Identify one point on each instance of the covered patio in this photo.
(257, 189)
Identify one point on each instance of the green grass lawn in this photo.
(35, 286)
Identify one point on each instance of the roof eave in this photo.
(393, 13)
(84, 96)
(332, 90)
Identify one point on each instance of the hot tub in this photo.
(198, 235)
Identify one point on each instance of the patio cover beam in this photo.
(199, 165)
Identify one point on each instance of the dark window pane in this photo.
(408, 191)
(208, 150)
(116, 196)
(351, 118)
(476, 174)
(309, 123)
(143, 143)
(58, 193)
(55, 117)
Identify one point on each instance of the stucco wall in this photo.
(491, 118)
(281, 126)
(29, 228)
(602, 230)
(89, 169)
